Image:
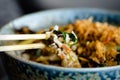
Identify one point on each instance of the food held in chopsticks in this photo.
(82, 44)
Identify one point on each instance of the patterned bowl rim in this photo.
(97, 69)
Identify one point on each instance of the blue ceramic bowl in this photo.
(19, 69)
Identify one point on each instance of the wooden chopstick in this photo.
(22, 47)
(23, 36)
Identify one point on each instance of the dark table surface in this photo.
(8, 11)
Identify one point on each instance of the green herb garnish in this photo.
(118, 48)
(72, 36)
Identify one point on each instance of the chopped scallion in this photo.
(118, 48)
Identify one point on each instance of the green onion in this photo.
(118, 48)
(64, 36)
(72, 36)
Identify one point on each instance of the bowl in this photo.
(20, 69)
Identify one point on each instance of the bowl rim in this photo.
(58, 68)
(97, 69)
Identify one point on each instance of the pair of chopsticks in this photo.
(22, 37)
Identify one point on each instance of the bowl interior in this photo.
(45, 19)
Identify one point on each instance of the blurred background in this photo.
(11, 9)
